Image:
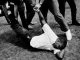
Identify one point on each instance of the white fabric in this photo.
(40, 41)
(45, 40)
(48, 31)
(69, 35)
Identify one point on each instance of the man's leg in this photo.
(29, 13)
(62, 6)
(59, 18)
(21, 9)
(23, 33)
(44, 10)
(73, 11)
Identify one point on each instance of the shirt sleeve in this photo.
(48, 31)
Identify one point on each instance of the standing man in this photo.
(44, 5)
(73, 9)
(15, 25)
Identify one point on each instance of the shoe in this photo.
(76, 23)
(68, 35)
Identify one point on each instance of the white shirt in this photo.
(45, 40)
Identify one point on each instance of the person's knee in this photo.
(58, 14)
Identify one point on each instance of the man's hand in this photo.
(37, 7)
(60, 55)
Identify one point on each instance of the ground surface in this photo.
(12, 48)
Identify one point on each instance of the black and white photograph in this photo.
(40, 30)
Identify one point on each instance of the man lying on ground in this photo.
(49, 40)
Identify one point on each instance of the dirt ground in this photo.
(13, 48)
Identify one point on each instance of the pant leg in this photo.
(22, 12)
(44, 10)
(58, 17)
(73, 9)
(62, 6)
(5, 13)
(30, 13)
(23, 33)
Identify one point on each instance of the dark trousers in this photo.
(26, 17)
(13, 17)
(10, 17)
(29, 13)
(72, 6)
(54, 9)
(20, 8)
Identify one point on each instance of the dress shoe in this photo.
(76, 23)
(22, 32)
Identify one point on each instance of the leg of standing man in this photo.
(44, 10)
(62, 6)
(51, 4)
(30, 13)
(73, 11)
